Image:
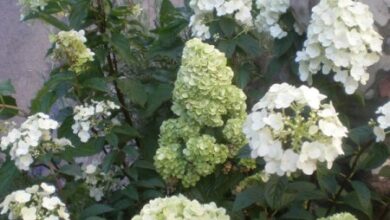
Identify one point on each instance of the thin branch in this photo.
(23, 112)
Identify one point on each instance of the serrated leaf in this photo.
(227, 26)
(131, 192)
(361, 135)
(161, 94)
(78, 13)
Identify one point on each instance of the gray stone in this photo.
(22, 52)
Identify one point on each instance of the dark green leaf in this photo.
(244, 199)
(8, 173)
(385, 171)
(96, 209)
(227, 26)
(71, 170)
(249, 45)
(53, 21)
(134, 90)
(274, 191)
(8, 111)
(274, 68)
(281, 46)
(150, 183)
(96, 83)
(122, 46)
(326, 179)
(126, 130)
(361, 135)
(131, 151)
(364, 196)
(227, 46)
(161, 94)
(78, 13)
(131, 192)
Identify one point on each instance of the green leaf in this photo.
(376, 155)
(246, 198)
(8, 173)
(131, 192)
(98, 84)
(93, 146)
(71, 170)
(53, 21)
(361, 135)
(274, 67)
(227, 46)
(112, 139)
(96, 209)
(227, 26)
(126, 130)
(364, 196)
(326, 179)
(249, 45)
(122, 46)
(134, 90)
(151, 183)
(244, 76)
(78, 13)
(131, 151)
(281, 46)
(274, 191)
(162, 93)
(168, 13)
(6, 88)
(8, 112)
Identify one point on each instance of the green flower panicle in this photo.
(211, 114)
(70, 47)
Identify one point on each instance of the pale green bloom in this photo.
(340, 216)
(70, 47)
(207, 104)
(180, 208)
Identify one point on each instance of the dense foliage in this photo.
(139, 122)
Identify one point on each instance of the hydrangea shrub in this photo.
(141, 121)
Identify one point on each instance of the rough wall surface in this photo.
(22, 52)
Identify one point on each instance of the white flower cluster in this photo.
(33, 138)
(291, 130)
(29, 6)
(98, 181)
(269, 15)
(204, 12)
(340, 38)
(88, 117)
(180, 208)
(34, 203)
(383, 122)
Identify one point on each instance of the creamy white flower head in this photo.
(34, 203)
(269, 15)
(205, 10)
(180, 207)
(291, 129)
(382, 123)
(33, 138)
(340, 38)
(88, 116)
